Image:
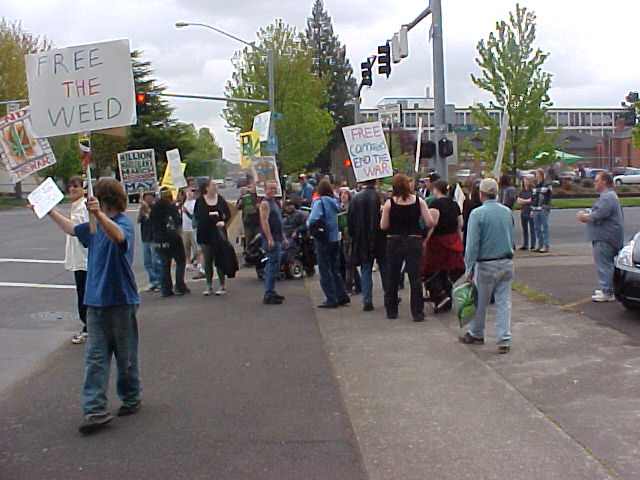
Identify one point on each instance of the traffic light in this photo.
(384, 59)
(347, 162)
(445, 147)
(367, 81)
(427, 149)
(142, 101)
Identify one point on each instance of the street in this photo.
(234, 389)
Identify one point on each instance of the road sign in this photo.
(461, 128)
(278, 116)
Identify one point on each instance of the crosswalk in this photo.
(34, 285)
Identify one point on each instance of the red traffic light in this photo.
(347, 162)
(141, 98)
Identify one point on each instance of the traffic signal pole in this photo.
(440, 127)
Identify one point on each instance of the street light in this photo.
(270, 64)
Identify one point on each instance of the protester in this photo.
(212, 213)
(368, 241)
(326, 208)
(507, 192)
(605, 231)
(489, 264)
(294, 222)
(442, 261)
(306, 190)
(151, 259)
(188, 231)
(430, 179)
(401, 220)
(165, 222)
(540, 208)
(273, 241)
(247, 203)
(348, 270)
(75, 254)
(524, 199)
(112, 299)
(468, 206)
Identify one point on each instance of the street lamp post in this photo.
(270, 66)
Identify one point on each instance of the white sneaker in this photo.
(208, 292)
(221, 291)
(602, 297)
(80, 337)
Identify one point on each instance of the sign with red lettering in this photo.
(20, 151)
(368, 150)
(81, 89)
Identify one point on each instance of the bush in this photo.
(624, 189)
(587, 182)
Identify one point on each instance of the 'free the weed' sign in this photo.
(81, 89)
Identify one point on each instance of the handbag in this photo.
(319, 229)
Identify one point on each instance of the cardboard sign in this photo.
(138, 170)
(22, 153)
(249, 147)
(81, 89)
(45, 197)
(368, 151)
(265, 170)
(175, 167)
(167, 180)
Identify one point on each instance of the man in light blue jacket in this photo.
(605, 231)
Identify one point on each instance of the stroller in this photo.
(300, 262)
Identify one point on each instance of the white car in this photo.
(632, 175)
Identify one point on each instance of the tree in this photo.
(299, 95)
(205, 159)
(331, 63)
(512, 73)
(68, 164)
(15, 43)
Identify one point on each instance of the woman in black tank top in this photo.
(401, 216)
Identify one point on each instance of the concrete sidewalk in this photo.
(562, 405)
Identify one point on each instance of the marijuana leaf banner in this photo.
(22, 153)
(249, 147)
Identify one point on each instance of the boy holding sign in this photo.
(112, 300)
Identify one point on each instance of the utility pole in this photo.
(440, 127)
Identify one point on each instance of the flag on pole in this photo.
(85, 150)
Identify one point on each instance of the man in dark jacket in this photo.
(368, 240)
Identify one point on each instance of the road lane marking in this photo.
(28, 260)
(36, 285)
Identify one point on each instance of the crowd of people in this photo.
(415, 231)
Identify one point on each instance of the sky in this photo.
(591, 44)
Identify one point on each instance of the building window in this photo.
(410, 120)
(574, 119)
(607, 119)
(596, 119)
(425, 119)
(416, 105)
(563, 119)
(460, 120)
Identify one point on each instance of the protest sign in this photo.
(249, 147)
(167, 180)
(81, 88)
(261, 125)
(176, 169)
(368, 151)
(265, 170)
(45, 197)
(138, 170)
(21, 152)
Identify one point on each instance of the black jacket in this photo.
(166, 222)
(369, 242)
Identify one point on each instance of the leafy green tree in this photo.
(65, 148)
(299, 95)
(512, 73)
(330, 62)
(206, 157)
(15, 43)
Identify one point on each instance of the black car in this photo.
(626, 274)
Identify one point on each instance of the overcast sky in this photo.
(592, 52)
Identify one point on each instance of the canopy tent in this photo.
(560, 155)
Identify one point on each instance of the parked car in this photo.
(631, 175)
(626, 274)
(464, 176)
(592, 172)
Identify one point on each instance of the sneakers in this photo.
(199, 276)
(80, 337)
(544, 250)
(95, 422)
(345, 302)
(504, 348)
(221, 291)
(152, 288)
(271, 300)
(368, 307)
(182, 291)
(600, 296)
(524, 247)
(471, 340)
(128, 409)
(208, 291)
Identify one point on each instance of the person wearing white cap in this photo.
(489, 264)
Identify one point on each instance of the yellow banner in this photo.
(167, 181)
(249, 147)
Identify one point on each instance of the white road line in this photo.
(28, 260)
(36, 285)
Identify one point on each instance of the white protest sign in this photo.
(138, 170)
(81, 89)
(261, 125)
(45, 197)
(368, 151)
(173, 164)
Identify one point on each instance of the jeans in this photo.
(541, 227)
(209, 258)
(528, 228)
(493, 278)
(366, 279)
(407, 249)
(328, 254)
(112, 331)
(272, 267)
(151, 263)
(177, 254)
(603, 256)
(80, 277)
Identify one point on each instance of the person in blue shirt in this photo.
(489, 265)
(306, 190)
(112, 300)
(326, 208)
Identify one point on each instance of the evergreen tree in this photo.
(331, 64)
(206, 157)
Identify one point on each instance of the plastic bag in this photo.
(465, 302)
